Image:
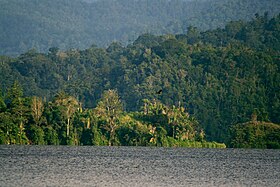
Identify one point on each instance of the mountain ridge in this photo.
(80, 24)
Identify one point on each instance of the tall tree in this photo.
(68, 106)
(18, 110)
(109, 109)
(37, 108)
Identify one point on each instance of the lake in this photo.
(137, 166)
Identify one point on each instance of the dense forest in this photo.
(63, 121)
(219, 77)
(256, 134)
(75, 24)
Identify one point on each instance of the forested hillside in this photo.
(68, 24)
(256, 134)
(220, 77)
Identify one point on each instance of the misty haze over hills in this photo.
(68, 24)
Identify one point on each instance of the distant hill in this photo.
(68, 24)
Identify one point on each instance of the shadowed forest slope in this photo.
(68, 24)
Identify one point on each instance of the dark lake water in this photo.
(137, 166)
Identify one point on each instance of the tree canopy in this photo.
(220, 77)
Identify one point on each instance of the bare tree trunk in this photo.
(21, 132)
(112, 131)
(88, 123)
(68, 127)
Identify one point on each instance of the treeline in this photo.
(256, 134)
(221, 76)
(68, 24)
(63, 121)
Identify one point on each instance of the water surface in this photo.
(137, 166)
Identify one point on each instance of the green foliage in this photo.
(50, 136)
(209, 81)
(106, 124)
(86, 138)
(35, 135)
(2, 104)
(109, 109)
(194, 144)
(68, 24)
(256, 134)
(7, 127)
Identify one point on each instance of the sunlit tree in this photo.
(109, 109)
(68, 105)
(37, 108)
